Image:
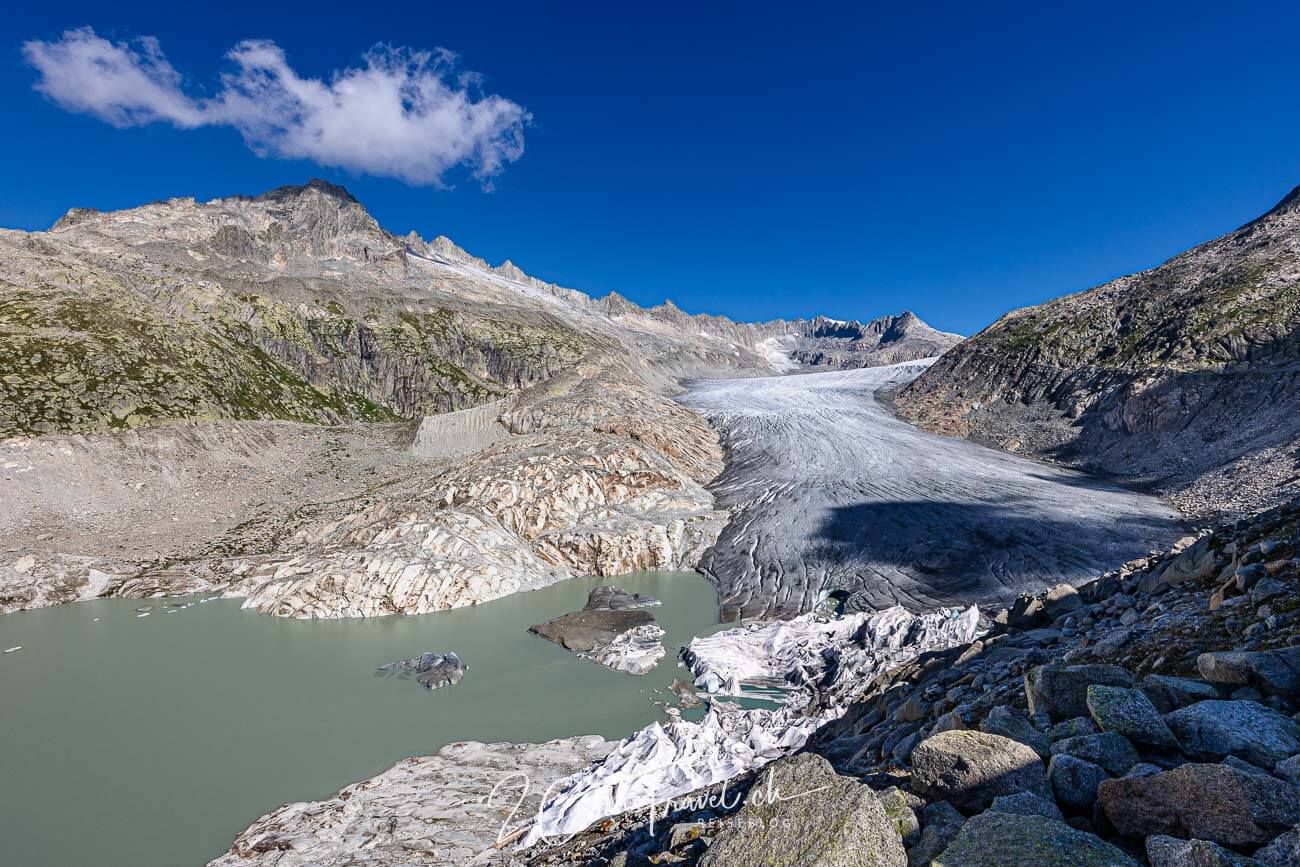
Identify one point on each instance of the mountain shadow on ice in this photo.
(828, 492)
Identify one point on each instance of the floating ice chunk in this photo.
(432, 670)
(636, 651)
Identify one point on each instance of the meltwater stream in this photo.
(130, 741)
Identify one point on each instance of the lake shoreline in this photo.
(206, 716)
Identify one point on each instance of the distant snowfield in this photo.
(829, 491)
(777, 352)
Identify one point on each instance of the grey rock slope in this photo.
(832, 343)
(444, 810)
(829, 492)
(297, 305)
(939, 736)
(164, 371)
(601, 475)
(1187, 375)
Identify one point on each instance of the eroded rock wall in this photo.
(579, 496)
(1179, 375)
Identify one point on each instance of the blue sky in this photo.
(752, 160)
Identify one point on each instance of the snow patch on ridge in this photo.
(777, 352)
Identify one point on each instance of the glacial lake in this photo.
(131, 741)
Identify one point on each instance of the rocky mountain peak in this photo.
(317, 219)
(824, 326)
(615, 304)
(900, 326)
(511, 271)
(1291, 201)
(1280, 217)
(415, 244)
(669, 312)
(290, 224)
(73, 217)
(445, 248)
(313, 186)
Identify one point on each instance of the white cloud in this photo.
(406, 114)
(114, 82)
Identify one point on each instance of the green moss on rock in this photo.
(1003, 840)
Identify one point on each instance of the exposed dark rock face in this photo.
(618, 599)
(611, 628)
(1205, 802)
(1248, 730)
(1129, 713)
(1170, 693)
(1284, 851)
(1186, 374)
(1061, 691)
(1172, 852)
(1274, 672)
(586, 630)
(1026, 804)
(1074, 782)
(940, 825)
(1113, 753)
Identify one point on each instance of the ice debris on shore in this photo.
(823, 662)
(793, 652)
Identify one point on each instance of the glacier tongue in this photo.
(834, 658)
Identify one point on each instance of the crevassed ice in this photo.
(667, 761)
